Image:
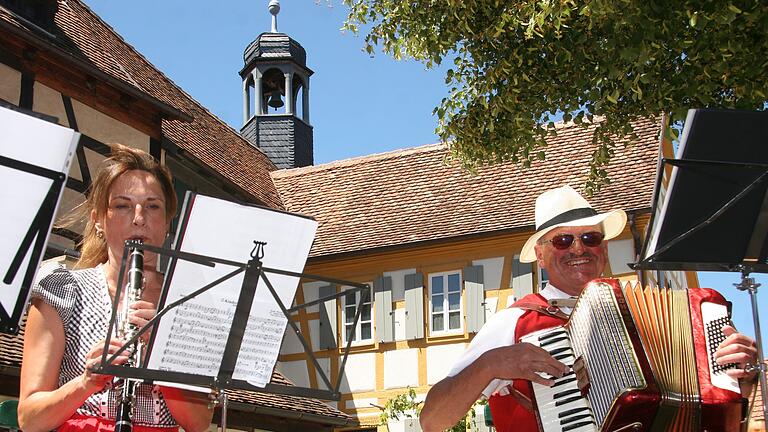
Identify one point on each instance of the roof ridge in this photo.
(357, 160)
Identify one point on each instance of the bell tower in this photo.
(276, 97)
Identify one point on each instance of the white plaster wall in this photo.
(314, 333)
(10, 84)
(440, 359)
(359, 373)
(401, 368)
(48, 101)
(291, 343)
(399, 324)
(621, 252)
(361, 403)
(100, 126)
(295, 371)
(311, 293)
(325, 366)
(492, 268)
(398, 282)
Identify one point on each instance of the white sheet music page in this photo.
(192, 338)
(37, 142)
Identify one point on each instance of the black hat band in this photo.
(568, 216)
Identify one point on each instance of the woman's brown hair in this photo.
(93, 250)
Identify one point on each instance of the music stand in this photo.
(225, 373)
(35, 155)
(712, 214)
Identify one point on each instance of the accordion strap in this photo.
(545, 309)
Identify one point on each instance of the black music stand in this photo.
(254, 272)
(712, 212)
(21, 270)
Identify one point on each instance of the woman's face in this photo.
(135, 210)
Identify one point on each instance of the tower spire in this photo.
(274, 9)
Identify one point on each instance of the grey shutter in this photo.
(382, 301)
(475, 298)
(522, 278)
(328, 318)
(414, 306)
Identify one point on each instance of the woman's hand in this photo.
(140, 312)
(92, 381)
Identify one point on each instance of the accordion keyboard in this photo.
(714, 316)
(561, 407)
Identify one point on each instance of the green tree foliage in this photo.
(518, 63)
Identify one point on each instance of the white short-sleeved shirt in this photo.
(499, 331)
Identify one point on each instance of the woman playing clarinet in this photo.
(132, 198)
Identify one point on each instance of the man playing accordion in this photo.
(570, 244)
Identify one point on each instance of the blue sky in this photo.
(359, 105)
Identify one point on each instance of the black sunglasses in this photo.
(588, 239)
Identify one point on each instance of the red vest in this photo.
(508, 415)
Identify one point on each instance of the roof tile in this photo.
(412, 195)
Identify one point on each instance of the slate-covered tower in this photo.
(276, 97)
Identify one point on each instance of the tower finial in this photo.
(274, 9)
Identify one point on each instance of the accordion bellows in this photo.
(649, 357)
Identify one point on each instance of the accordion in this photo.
(648, 354)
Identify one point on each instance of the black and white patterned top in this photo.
(82, 300)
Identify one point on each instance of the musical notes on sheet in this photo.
(198, 338)
(261, 345)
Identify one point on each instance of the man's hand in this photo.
(523, 361)
(740, 349)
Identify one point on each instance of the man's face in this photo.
(572, 268)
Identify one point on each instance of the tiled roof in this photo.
(411, 195)
(85, 37)
(11, 348)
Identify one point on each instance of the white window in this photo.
(445, 302)
(362, 332)
(543, 277)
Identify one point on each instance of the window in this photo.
(363, 331)
(543, 278)
(445, 302)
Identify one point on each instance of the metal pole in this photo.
(761, 370)
(223, 399)
(748, 284)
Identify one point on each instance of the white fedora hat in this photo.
(564, 206)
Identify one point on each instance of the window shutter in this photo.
(414, 306)
(382, 301)
(328, 318)
(522, 278)
(475, 298)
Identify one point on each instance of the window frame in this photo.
(446, 304)
(357, 341)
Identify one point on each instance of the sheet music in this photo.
(43, 144)
(192, 338)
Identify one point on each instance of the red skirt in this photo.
(81, 423)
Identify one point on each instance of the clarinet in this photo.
(132, 293)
